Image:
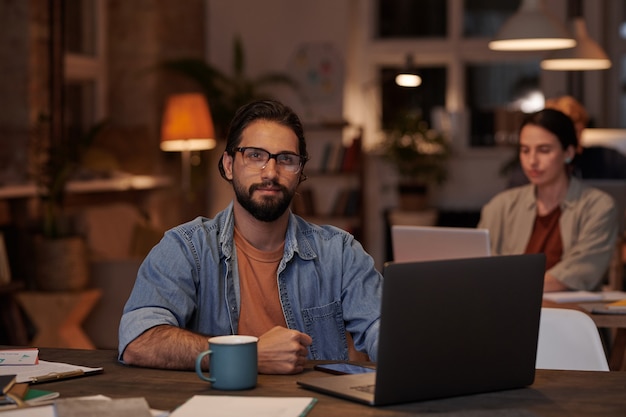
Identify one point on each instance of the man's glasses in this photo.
(257, 158)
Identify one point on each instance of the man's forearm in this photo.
(165, 347)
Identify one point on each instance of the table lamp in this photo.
(187, 126)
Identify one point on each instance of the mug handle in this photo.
(199, 366)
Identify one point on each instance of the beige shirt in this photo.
(588, 226)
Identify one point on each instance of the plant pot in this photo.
(412, 197)
(61, 264)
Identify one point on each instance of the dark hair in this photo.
(557, 123)
(269, 110)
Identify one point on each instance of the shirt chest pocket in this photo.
(325, 325)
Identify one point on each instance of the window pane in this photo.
(411, 18)
(423, 99)
(496, 95)
(485, 17)
(80, 28)
(79, 108)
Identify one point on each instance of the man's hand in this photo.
(283, 351)
(552, 284)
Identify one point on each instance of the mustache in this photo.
(267, 184)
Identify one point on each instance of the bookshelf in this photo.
(333, 191)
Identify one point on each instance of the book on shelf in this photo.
(341, 202)
(326, 156)
(347, 203)
(336, 157)
(353, 205)
(352, 155)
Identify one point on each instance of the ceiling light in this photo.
(532, 28)
(586, 55)
(409, 77)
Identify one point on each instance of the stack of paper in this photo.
(45, 371)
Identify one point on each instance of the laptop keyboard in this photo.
(365, 388)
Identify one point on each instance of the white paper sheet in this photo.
(26, 373)
(237, 406)
(583, 296)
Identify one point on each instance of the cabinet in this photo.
(333, 191)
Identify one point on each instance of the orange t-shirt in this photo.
(546, 237)
(260, 304)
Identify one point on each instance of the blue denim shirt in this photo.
(327, 283)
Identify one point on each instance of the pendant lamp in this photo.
(409, 77)
(586, 55)
(532, 28)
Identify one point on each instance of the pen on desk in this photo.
(57, 375)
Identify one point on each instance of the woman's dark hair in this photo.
(269, 110)
(557, 123)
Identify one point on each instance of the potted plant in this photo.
(226, 93)
(61, 259)
(419, 154)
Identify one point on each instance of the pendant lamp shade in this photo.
(586, 55)
(187, 124)
(408, 77)
(532, 28)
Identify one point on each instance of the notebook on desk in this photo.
(450, 328)
(422, 243)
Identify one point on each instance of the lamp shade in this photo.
(586, 55)
(531, 28)
(408, 77)
(187, 124)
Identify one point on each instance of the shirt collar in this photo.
(295, 241)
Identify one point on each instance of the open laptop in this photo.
(450, 328)
(423, 243)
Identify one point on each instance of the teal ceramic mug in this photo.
(232, 362)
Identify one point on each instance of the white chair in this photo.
(569, 339)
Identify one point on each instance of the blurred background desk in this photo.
(554, 393)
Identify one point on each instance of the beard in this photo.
(269, 208)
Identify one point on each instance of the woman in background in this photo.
(575, 226)
(591, 162)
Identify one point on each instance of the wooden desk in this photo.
(58, 316)
(617, 350)
(554, 393)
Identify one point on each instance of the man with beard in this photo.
(256, 268)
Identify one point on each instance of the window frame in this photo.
(92, 67)
(454, 52)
